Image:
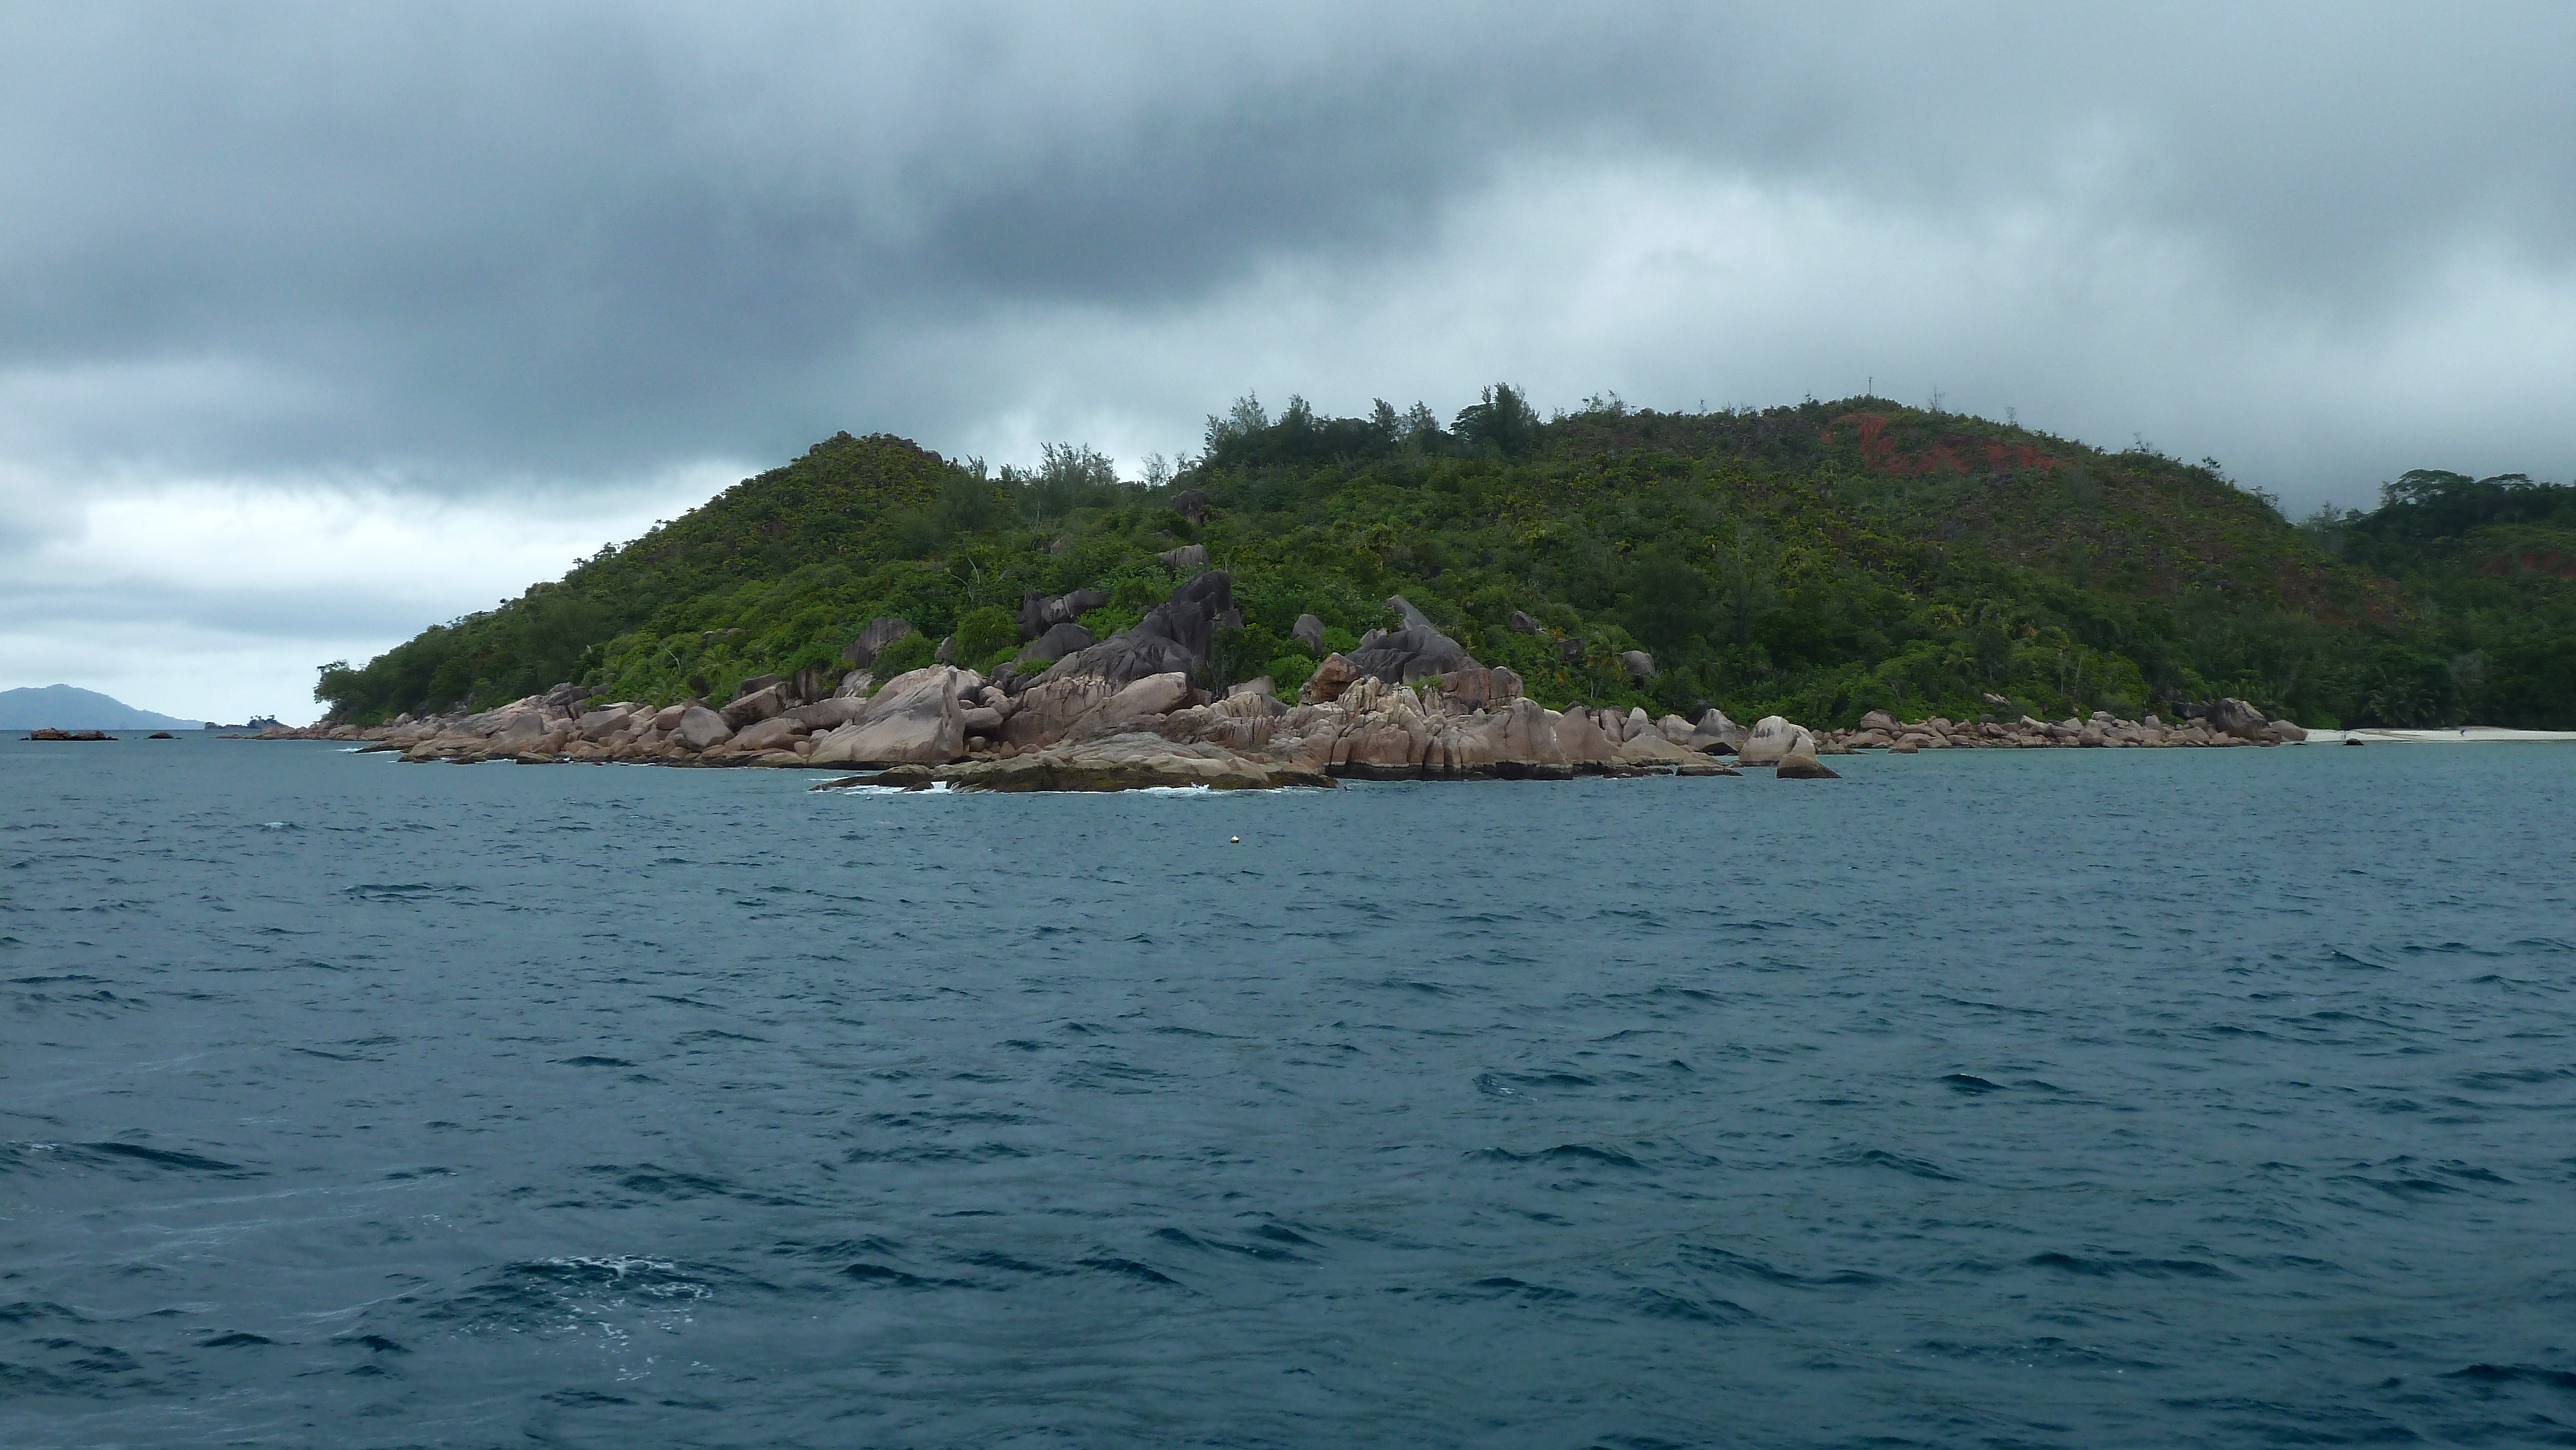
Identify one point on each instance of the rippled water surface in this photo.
(2014, 1099)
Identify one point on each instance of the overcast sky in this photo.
(322, 323)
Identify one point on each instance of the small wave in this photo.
(1662, 1305)
(1130, 1269)
(1881, 1158)
(1264, 1252)
(566, 1293)
(2507, 1079)
(1561, 1153)
(1498, 1285)
(1710, 1259)
(868, 1273)
(2557, 1379)
(2105, 1268)
(170, 1158)
(29, 1311)
(1969, 1083)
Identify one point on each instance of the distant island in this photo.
(1816, 562)
(66, 707)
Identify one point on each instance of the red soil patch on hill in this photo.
(2555, 565)
(1948, 452)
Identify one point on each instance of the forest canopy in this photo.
(1816, 561)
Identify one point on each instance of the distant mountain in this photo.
(64, 707)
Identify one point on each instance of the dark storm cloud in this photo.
(460, 242)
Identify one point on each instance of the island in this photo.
(1315, 598)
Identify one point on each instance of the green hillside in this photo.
(1815, 561)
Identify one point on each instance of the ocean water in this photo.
(2189, 1098)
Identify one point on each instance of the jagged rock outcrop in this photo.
(1411, 653)
(1173, 636)
(873, 640)
(1060, 639)
(1040, 613)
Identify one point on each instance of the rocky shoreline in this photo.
(1122, 714)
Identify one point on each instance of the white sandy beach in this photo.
(2461, 735)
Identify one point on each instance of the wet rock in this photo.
(1650, 748)
(1803, 765)
(1132, 761)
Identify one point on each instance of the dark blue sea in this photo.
(2028, 1098)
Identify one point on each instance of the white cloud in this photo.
(207, 598)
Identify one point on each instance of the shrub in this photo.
(908, 653)
(1287, 673)
(980, 632)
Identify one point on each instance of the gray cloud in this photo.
(475, 239)
(497, 250)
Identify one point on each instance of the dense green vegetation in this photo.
(1815, 561)
(2490, 564)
